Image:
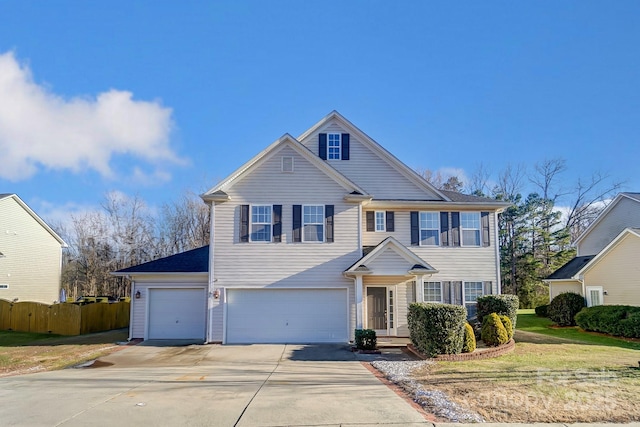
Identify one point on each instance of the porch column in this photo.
(420, 288)
(359, 314)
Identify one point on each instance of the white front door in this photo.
(594, 296)
(381, 316)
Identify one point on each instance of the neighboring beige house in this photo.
(317, 236)
(606, 269)
(30, 254)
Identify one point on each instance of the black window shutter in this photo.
(371, 223)
(277, 223)
(487, 288)
(415, 229)
(457, 293)
(345, 146)
(328, 219)
(297, 223)
(444, 228)
(322, 146)
(244, 223)
(390, 221)
(486, 238)
(446, 292)
(455, 228)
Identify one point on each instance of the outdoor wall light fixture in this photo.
(138, 295)
(216, 294)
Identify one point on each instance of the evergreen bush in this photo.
(618, 320)
(493, 331)
(469, 345)
(506, 322)
(506, 305)
(437, 328)
(366, 339)
(564, 307)
(542, 310)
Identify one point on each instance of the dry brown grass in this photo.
(545, 380)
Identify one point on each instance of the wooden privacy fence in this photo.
(63, 319)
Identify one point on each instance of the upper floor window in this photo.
(380, 221)
(472, 290)
(430, 228)
(261, 223)
(313, 223)
(432, 292)
(470, 224)
(333, 146)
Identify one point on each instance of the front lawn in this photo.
(547, 378)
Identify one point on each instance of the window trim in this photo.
(384, 221)
(303, 223)
(464, 292)
(424, 293)
(588, 290)
(329, 146)
(251, 223)
(479, 229)
(420, 229)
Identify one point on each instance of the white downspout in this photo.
(211, 302)
(497, 252)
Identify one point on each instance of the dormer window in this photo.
(333, 146)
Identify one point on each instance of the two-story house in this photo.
(30, 254)
(606, 268)
(317, 236)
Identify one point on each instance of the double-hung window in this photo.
(429, 228)
(313, 223)
(470, 224)
(333, 146)
(381, 221)
(472, 290)
(261, 223)
(432, 292)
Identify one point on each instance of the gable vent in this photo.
(287, 164)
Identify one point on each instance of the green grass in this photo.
(12, 338)
(529, 322)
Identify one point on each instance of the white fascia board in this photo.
(425, 204)
(39, 220)
(603, 253)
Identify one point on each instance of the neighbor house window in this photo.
(313, 223)
(432, 292)
(429, 228)
(261, 223)
(470, 224)
(333, 146)
(472, 290)
(380, 221)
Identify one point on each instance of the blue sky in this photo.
(156, 97)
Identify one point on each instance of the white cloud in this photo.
(40, 129)
(448, 172)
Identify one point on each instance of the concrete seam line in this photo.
(260, 388)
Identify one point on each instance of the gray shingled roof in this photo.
(459, 197)
(571, 268)
(193, 261)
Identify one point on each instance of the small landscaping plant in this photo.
(506, 305)
(366, 339)
(542, 310)
(618, 320)
(506, 322)
(469, 345)
(564, 307)
(437, 328)
(493, 331)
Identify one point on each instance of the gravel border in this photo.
(433, 401)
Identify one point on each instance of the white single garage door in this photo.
(287, 316)
(177, 313)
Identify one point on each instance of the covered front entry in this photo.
(381, 309)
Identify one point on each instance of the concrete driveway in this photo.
(212, 385)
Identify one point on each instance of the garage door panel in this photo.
(177, 314)
(287, 316)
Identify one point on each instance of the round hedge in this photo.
(564, 307)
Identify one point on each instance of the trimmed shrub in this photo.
(469, 344)
(506, 322)
(437, 328)
(542, 310)
(493, 331)
(366, 339)
(506, 305)
(564, 307)
(618, 320)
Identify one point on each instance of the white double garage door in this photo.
(254, 315)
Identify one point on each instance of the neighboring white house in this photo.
(317, 236)
(606, 269)
(30, 254)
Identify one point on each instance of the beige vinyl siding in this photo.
(286, 264)
(558, 287)
(618, 273)
(389, 263)
(625, 214)
(404, 295)
(369, 171)
(31, 265)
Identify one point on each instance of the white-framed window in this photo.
(313, 223)
(261, 223)
(471, 291)
(595, 295)
(334, 146)
(470, 227)
(429, 228)
(381, 221)
(432, 292)
(3, 286)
